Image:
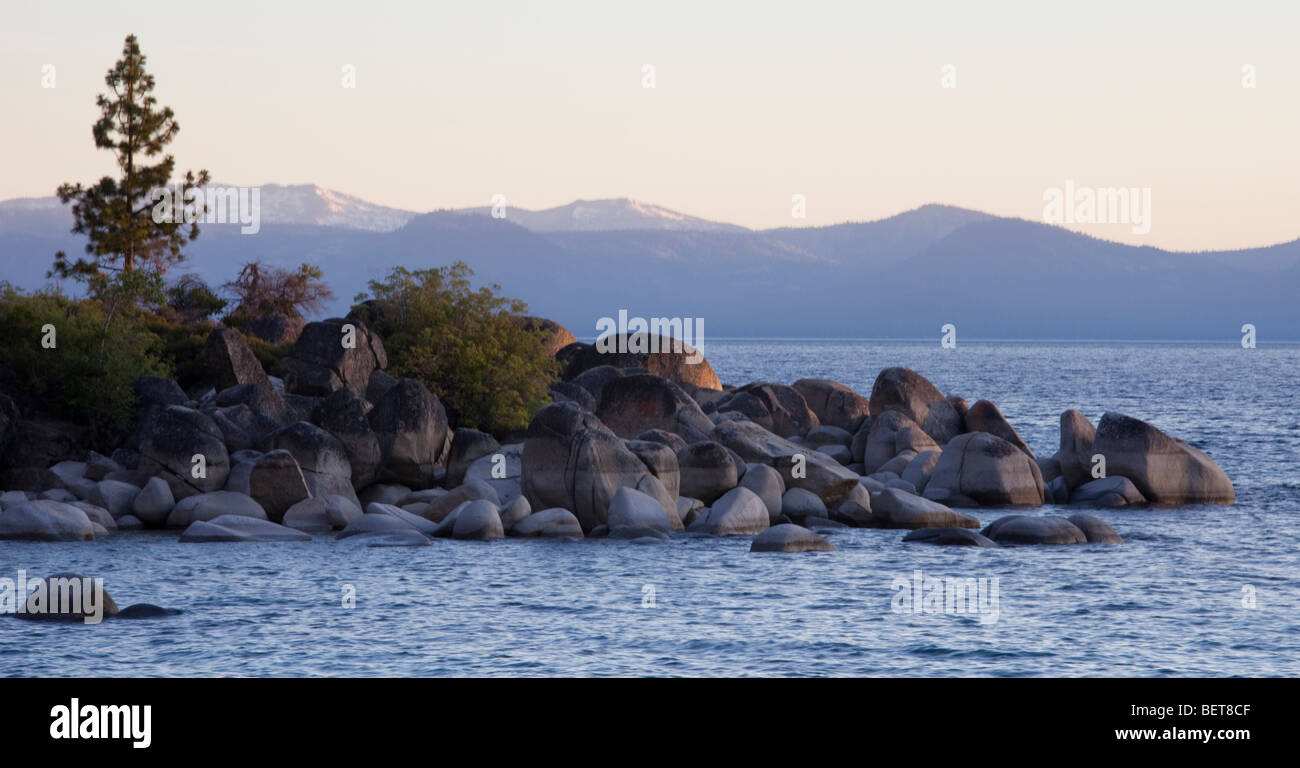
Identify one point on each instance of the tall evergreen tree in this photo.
(128, 251)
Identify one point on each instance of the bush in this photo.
(490, 373)
(88, 375)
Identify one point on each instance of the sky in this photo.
(842, 103)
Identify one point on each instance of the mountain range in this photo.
(898, 277)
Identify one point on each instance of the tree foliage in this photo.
(116, 213)
(490, 372)
(265, 291)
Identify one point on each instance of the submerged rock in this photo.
(790, 538)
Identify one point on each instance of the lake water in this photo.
(1173, 600)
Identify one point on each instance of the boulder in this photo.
(1113, 491)
(906, 391)
(211, 505)
(514, 512)
(740, 511)
(45, 603)
(784, 411)
(383, 525)
(799, 504)
(674, 441)
(882, 441)
(414, 521)
(820, 473)
(309, 516)
(503, 474)
(660, 355)
(318, 363)
(276, 482)
(833, 403)
(478, 521)
(230, 363)
(855, 509)
(340, 510)
(706, 471)
(314, 449)
(414, 436)
(115, 496)
(571, 460)
(630, 405)
(474, 490)
(593, 381)
(153, 503)
(1096, 530)
(45, 520)
(894, 508)
(1023, 529)
(977, 468)
(548, 523)
(1167, 471)
(634, 511)
(918, 470)
(951, 537)
(790, 538)
(984, 416)
(175, 436)
(343, 415)
(467, 445)
(568, 391)
(661, 460)
(98, 466)
(237, 528)
(1075, 454)
(767, 483)
(652, 487)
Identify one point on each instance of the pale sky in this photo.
(841, 102)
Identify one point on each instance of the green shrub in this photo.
(490, 373)
(268, 354)
(87, 376)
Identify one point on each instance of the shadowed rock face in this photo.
(905, 390)
(1023, 529)
(572, 461)
(986, 470)
(823, 475)
(1075, 455)
(667, 362)
(834, 404)
(984, 416)
(318, 362)
(1166, 470)
(630, 405)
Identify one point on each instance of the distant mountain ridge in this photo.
(903, 276)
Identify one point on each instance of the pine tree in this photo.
(128, 251)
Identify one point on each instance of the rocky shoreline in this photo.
(633, 446)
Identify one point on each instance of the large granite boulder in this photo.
(1075, 455)
(414, 436)
(343, 415)
(321, 360)
(800, 467)
(1113, 491)
(906, 391)
(674, 360)
(175, 436)
(833, 403)
(1023, 529)
(783, 410)
(979, 469)
(1166, 470)
(630, 405)
(788, 537)
(896, 508)
(548, 523)
(230, 363)
(984, 416)
(633, 513)
(571, 460)
(707, 471)
(740, 511)
(467, 445)
(45, 520)
(208, 506)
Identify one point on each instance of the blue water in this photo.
(1167, 602)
